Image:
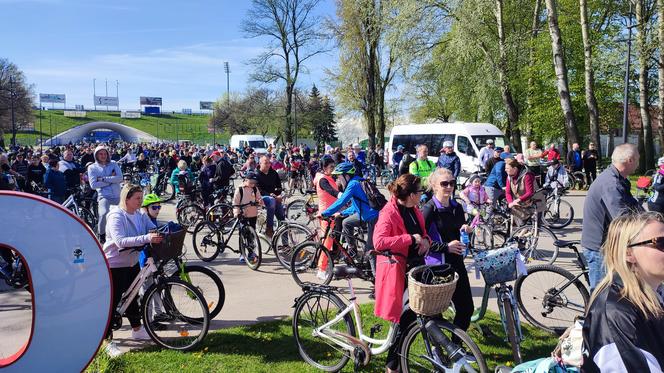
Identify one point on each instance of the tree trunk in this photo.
(591, 101)
(505, 92)
(571, 131)
(646, 124)
(527, 133)
(660, 70)
(288, 130)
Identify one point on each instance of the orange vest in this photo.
(325, 200)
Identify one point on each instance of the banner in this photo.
(207, 105)
(186, 111)
(79, 107)
(106, 101)
(130, 114)
(152, 101)
(52, 97)
(75, 113)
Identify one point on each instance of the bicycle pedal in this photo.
(376, 328)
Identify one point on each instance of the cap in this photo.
(215, 153)
(448, 144)
(489, 141)
(506, 155)
(400, 147)
(498, 149)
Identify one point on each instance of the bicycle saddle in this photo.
(341, 272)
(563, 243)
(310, 191)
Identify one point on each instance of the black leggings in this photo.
(122, 279)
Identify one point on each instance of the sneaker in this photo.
(112, 350)
(322, 275)
(242, 259)
(140, 334)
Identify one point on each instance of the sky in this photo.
(167, 48)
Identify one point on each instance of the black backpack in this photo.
(405, 163)
(185, 184)
(375, 198)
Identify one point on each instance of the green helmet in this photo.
(150, 199)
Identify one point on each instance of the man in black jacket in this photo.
(590, 158)
(222, 176)
(269, 185)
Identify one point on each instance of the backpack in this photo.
(405, 164)
(185, 184)
(375, 199)
(241, 190)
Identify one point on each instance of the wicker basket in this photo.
(430, 300)
(170, 247)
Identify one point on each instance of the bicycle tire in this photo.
(250, 247)
(552, 219)
(304, 265)
(190, 215)
(295, 210)
(512, 337)
(207, 241)
(172, 310)
(539, 248)
(222, 215)
(579, 180)
(313, 351)
(213, 292)
(544, 300)
(486, 238)
(286, 238)
(410, 341)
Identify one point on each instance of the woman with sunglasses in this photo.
(444, 218)
(622, 331)
(400, 230)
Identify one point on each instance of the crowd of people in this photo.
(623, 246)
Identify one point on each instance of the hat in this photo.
(400, 147)
(489, 141)
(448, 144)
(215, 153)
(498, 149)
(473, 178)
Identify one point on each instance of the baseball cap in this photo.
(215, 153)
(489, 141)
(448, 144)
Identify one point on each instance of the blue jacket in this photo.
(497, 177)
(55, 181)
(359, 202)
(451, 162)
(396, 158)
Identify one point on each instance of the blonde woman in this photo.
(181, 169)
(623, 330)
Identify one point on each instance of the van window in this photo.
(437, 141)
(433, 142)
(464, 146)
(260, 144)
(480, 141)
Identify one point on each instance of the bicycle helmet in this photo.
(150, 199)
(344, 168)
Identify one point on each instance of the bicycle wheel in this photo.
(190, 215)
(537, 246)
(250, 247)
(579, 180)
(414, 356)
(311, 263)
(512, 337)
(208, 283)
(175, 314)
(550, 297)
(296, 211)
(285, 240)
(558, 215)
(485, 238)
(314, 309)
(207, 240)
(88, 217)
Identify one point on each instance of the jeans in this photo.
(494, 194)
(272, 208)
(596, 268)
(104, 205)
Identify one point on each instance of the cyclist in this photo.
(105, 176)
(327, 192)
(444, 219)
(151, 207)
(248, 193)
(474, 194)
(556, 176)
(396, 160)
(352, 158)
(401, 231)
(269, 185)
(127, 228)
(56, 183)
(448, 159)
(519, 188)
(296, 166)
(422, 167)
(359, 211)
(36, 172)
(205, 179)
(486, 153)
(181, 172)
(656, 201)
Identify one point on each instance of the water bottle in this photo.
(464, 240)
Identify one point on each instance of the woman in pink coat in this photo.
(401, 231)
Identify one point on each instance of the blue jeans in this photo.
(596, 268)
(272, 208)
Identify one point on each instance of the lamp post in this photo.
(11, 100)
(627, 68)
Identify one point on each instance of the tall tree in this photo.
(643, 13)
(660, 68)
(14, 91)
(561, 73)
(589, 74)
(293, 30)
(324, 130)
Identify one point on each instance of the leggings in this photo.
(122, 279)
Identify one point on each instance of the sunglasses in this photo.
(447, 184)
(155, 208)
(656, 243)
(419, 191)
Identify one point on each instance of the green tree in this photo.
(14, 92)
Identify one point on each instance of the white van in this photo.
(468, 139)
(256, 142)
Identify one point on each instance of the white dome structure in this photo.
(76, 134)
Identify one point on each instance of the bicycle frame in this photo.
(135, 286)
(504, 294)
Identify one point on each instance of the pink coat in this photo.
(390, 234)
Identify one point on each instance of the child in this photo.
(245, 194)
(474, 195)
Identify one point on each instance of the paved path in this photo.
(266, 294)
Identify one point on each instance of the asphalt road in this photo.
(251, 296)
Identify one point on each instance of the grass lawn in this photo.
(270, 347)
(165, 126)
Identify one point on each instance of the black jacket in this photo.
(615, 332)
(446, 224)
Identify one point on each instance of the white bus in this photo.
(256, 142)
(468, 139)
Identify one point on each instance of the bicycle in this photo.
(386, 176)
(190, 208)
(211, 238)
(485, 236)
(174, 313)
(18, 278)
(304, 211)
(74, 204)
(287, 236)
(551, 297)
(312, 262)
(535, 239)
(327, 337)
(559, 213)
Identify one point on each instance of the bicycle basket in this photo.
(498, 265)
(430, 288)
(171, 246)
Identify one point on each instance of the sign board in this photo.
(207, 105)
(79, 107)
(52, 98)
(152, 101)
(130, 114)
(75, 113)
(186, 111)
(106, 101)
(152, 110)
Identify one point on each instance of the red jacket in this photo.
(390, 234)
